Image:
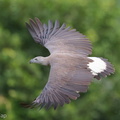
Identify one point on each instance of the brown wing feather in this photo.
(68, 76)
(58, 38)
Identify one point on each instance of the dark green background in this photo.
(20, 81)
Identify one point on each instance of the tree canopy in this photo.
(22, 82)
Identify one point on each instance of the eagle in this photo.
(71, 68)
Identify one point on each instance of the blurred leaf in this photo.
(22, 82)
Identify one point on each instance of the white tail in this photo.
(100, 67)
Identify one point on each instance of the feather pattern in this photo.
(64, 86)
(46, 35)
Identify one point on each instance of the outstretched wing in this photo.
(68, 76)
(59, 38)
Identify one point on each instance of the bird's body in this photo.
(71, 69)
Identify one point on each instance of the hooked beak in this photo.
(31, 61)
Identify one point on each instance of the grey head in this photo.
(40, 60)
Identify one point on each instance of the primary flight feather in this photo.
(71, 69)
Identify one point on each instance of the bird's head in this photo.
(39, 60)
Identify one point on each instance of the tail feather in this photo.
(108, 71)
(101, 67)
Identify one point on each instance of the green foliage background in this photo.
(20, 82)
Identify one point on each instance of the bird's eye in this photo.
(35, 58)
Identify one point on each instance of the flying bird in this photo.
(71, 70)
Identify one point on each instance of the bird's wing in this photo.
(58, 38)
(68, 76)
